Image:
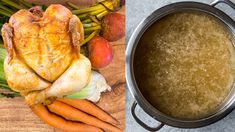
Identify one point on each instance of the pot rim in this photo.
(130, 51)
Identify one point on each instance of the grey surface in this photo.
(136, 11)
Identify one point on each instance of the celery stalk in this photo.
(93, 90)
(2, 57)
(87, 91)
(13, 4)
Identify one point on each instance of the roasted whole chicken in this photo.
(44, 59)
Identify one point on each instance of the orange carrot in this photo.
(90, 108)
(74, 114)
(60, 123)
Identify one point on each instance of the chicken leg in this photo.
(74, 79)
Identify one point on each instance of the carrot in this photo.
(91, 109)
(60, 123)
(74, 114)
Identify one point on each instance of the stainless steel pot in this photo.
(226, 107)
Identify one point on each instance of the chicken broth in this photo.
(183, 64)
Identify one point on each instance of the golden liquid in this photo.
(183, 64)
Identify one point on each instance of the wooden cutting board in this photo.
(16, 116)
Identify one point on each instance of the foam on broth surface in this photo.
(183, 64)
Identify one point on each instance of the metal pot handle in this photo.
(141, 122)
(228, 2)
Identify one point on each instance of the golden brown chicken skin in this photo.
(43, 54)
